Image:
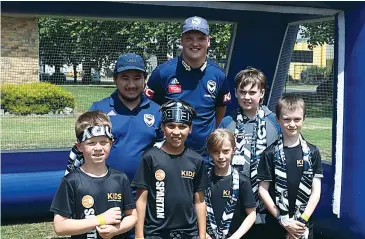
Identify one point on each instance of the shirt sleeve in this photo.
(93, 107)
(128, 201)
(200, 180)
(64, 200)
(317, 164)
(246, 195)
(265, 170)
(154, 88)
(225, 122)
(143, 176)
(224, 95)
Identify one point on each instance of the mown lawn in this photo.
(318, 131)
(35, 132)
(301, 87)
(43, 230)
(86, 95)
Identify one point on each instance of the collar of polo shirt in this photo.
(188, 68)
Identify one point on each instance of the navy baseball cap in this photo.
(129, 61)
(196, 24)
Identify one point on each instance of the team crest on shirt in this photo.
(211, 85)
(160, 175)
(149, 119)
(87, 201)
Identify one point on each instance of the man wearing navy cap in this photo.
(135, 118)
(195, 79)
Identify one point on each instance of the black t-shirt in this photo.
(294, 157)
(80, 196)
(171, 181)
(221, 190)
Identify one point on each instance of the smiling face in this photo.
(130, 84)
(195, 45)
(222, 155)
(291, 122)
(249, 97)
(176, 134)
(95, 150)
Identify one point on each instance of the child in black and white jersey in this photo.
(290, 173)
(231, 206)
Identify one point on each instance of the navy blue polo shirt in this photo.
(204, 88)
(134, 130)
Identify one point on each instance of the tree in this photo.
(221, 35)
(318, 33)
(97, 44)
(58, 44)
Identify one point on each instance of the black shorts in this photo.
(257, 231)
(173, 235)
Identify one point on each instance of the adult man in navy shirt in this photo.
(135, 118)
(195, 79)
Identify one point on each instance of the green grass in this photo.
(37, 132)
(29, 132)
(318, 131)
(301, 87)
(42, 230)
(86, 95)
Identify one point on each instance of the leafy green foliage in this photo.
(314, 75)
(36, 98)
(97, 44)
(318, 33)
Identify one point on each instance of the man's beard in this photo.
(129, 99)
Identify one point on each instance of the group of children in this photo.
(265, 182)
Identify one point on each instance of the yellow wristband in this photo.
(305, 217)
(101, 220)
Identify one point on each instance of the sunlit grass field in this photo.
(36, 132)
(40, 132)
(42, 230)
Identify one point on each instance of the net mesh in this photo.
(310, 75)
(78, 56)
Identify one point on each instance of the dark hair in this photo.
(290, 102)
(251, 76)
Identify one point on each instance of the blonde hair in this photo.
(91, 118)
(216, 138)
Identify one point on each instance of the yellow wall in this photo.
(319, 59)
